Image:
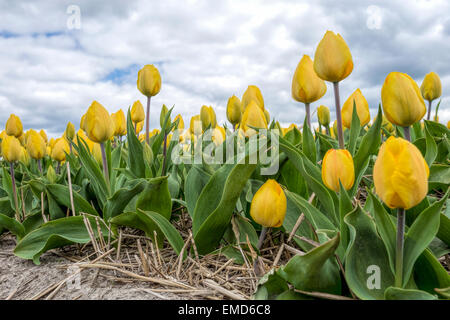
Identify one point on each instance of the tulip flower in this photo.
(333, 62)
(253, 117)
(252, 94)
(35, 146)
(180, 122)
(99, 128)
(149, 84)
(267, 116)
(83, 118)
(97, 153)
(24, 157)
(195, 125)
(218, 135)
(14, 126)
(268, 207)
(448, 124)
(337, 166)
(12, 151)
(120, 123)
(69, 133)
(139, 126)
(431, 89)
(362, 109)
(307, 87)
(234, 110)
(208, 117)
(43, 135)
(323, 115)
(137, 112)
(402, 100)
(60, 149)
(400, 175)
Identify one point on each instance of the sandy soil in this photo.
(21, 279)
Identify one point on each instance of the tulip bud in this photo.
(400, 174)
(307, 87)
(69, 133)
(148, 154)
(99, 125)
(234, 110)
(51, 174)
(137, 112)
(208, 117)
(195, 126)
(402, 100)
(120, 124)
(323, 114)
(180, 122)
(448, 124)
(333, 60)
(252, 94)
(139, 126)
(83, 118)
(267, 116)
(268, 207)
(162, 116)
(149, 80)
(338, 166)
(35, 145)
(253, 116)
(431, 87)
(43, 135)
(60, 149)
(24, 157)
(14, 126)
(218, 135)
(362, 109)
(11, 149)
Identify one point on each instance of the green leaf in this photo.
(429, 274)
(314, 271)
(367, 269)
(196, 180)
(354, 130)
(345, 206)
(118, 202)
(270, 286)
(135, 150)
(393, 293)
(149, 221)
(439, 177)
(61, 195)
(420, 235)
(309, 147)
(54, 234)
(156, 197)
(12, 225)
(432, 151)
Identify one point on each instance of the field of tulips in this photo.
(357, 209)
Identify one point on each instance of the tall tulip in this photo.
(14, 126)
(337, 166)
(195, 125)
(12, 152)
(400, 175)
(307, 87)
(120, 124)
(323, 115)
(43, 135)
(431, 89)
(333, 62)
(36, 147)
(137, 112)
(252, 94)
(362, 109)
(149, 84)
(208, 117)
(234, 110)
(402, 100)
(253, 117)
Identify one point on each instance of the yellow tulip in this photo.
(218, 135)
(402, 101)
(69, 133)
(120, 124)
(11, 149)
(149, 80)
(338, 166)
(268, 207)
(307, 87)
(400, 174)
(284, 131)
(436, 119)
(60, 149)
(448, 124)
(252, 94)
(267, 116)
(234, 110)
(24, 157)
(99, 125)
(323, 114)
(333, 60)
(14, 126)
(195, 125)
(137, 112)
(431, 87)
(52, 142)
(362, 109)
(180, 122)
(35, 145)
(48, 150)
(43, 135)
(385, 124)
(83, 118)
(208, 117)
(334, 131)
(253, 116)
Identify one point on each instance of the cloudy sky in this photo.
(52, 67)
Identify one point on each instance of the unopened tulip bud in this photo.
(252, 94)
(69, 133)
(99, 125)
(149, 80)
(11, 149)
(362, 109)
(234, 110)
(323, 114)
(431, 87)
(337, 166)
(137, 112)
(35, 145)
(253, 117)
(268, 207)
(60, 149)
(208, 117)
(120, 124)
(14, 126)
(307, 87)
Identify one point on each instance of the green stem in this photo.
(164, 155)
(13, 179)
(147, 121)
(308, 115)
(105, 163)
(400, 246)
(338, 115)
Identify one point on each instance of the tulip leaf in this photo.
(135, 150)
(345, 206)
(431, 151)
(56, 233)
(439, 177)
(270, 286)
(437, 129)
(216, 203)
(309, 147)
(156, 197)
(429, 274)
(61, 195)
(293, 212)
(12, 225)
(315, 271)
(393, 293)
(7, 186)
(149, 221)
(420, 235)
(293, 179)
(195, 181)
(121, 198)
(355, 129)
(367, 268)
